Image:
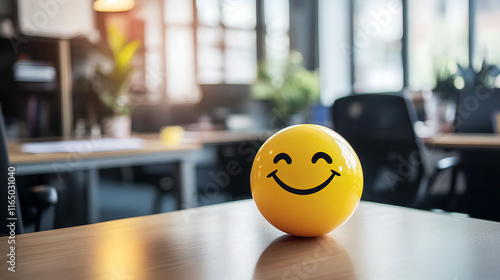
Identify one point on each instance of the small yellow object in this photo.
(171, 135)
(306, 180)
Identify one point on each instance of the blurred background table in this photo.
(464, 141)
(152, 151)
(478, 158)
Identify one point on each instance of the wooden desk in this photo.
(233, 241)
(464, 141)
(479, 158)
(153, 152)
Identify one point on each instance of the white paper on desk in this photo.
(84, 146)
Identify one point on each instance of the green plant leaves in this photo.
(116, 39)
(125, 55)
(113, 86)
(292, 89)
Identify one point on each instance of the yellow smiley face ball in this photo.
(306, 180)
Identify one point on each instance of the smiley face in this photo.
(288, 160)
(306, 180)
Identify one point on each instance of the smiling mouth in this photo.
(300, 191)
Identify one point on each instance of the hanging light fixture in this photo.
(113, 5)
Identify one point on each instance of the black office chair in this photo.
(380, 129)
(475, 108)
(43, 198)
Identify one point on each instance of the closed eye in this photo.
(322, 155)
(282, 156)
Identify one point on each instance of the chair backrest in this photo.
(7, 193)
(475, 109)
(377, 116)
(380, 129)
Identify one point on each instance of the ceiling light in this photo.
(113, 5)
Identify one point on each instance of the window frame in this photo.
(260, 47)
(405, 41)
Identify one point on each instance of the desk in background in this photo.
(152, 152)
(479, 160)
(185, 156)
(464, 141)
(233, 241)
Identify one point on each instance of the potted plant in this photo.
(449, 81)
(454, 78)
(113, 86)
(291, 89)
(487, 76)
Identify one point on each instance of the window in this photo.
(487, 45)
(438, 37)
(370, 35)
(334, 50)
(378, 30)
(360, 47)
(180, 59)
(226, 41)
(215, 42)
(277, 39)
(208, 42)
(153, 65)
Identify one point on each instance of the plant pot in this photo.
(441, 111)
(117, 126)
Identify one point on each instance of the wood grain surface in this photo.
(463, 140)
(233, 241)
